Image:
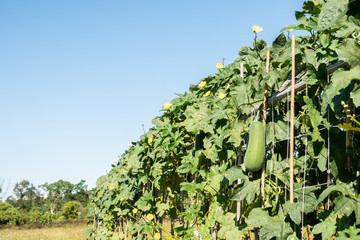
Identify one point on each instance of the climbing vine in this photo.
(186, 172)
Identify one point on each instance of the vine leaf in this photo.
(349, 52)
(350, 233)
(270, 226)
(235, 173)
(355, 95)
(196, 119)
(327, 228)
(331, 12)
(144, 202)
(294, 211)
(248, 191)
(340, 80)
(228, 230)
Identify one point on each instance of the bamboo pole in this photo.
(239, 160)
(292, 106)
(263, 170)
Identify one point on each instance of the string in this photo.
(304, 170)
(328, 143)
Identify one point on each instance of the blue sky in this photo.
(78, 79)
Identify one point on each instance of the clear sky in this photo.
(79, 78)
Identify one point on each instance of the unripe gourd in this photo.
(255, 152)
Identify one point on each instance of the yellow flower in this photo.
(129, 144)
(257, 29)
(167, 105)
(202, 84)
(115, 160)
(348, 127)
(134, 211)
(222, 95)
(157, 236)
(289, 30)
(151, 139)
(122, 199)
(207, 94)
(219, 65)
(150, 216)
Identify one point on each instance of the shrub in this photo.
(9, 214)
(47, 217)
(71, 209)
(34, 216)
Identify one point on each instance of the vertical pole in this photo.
(238, 205)
(264, 122)
(292, 106)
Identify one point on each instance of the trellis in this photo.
(292, 85)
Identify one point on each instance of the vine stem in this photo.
(263, 172)
(292, 106)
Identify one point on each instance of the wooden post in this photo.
(263, 170)
(239, 160)
(242, 70)
(292, 111)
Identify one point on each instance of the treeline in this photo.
(48, 203)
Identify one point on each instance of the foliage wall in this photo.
(186, 168)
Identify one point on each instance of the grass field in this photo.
(74, 232)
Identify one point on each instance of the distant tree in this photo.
(25, 190)
(81, 193)
(27, 196)
(61, 192)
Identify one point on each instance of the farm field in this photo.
(73, 232)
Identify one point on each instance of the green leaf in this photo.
(339, 187)
(112, 185)
(144, 202)
(196, 118)
(295, 27)
(213, 180)
(340, 80)
(294, 211)
(355, 95)
(270, 226)
(352, 233)
(258, 217)
(331, 12)
(278, 44)
(344, 205)
(238, 128)
(327, 228)
(228, 230)
(234, 174)
(322, 159)
(281, 131)
(247, 192)
(301, 18)
(310, 201)
(161, 208)
(349, 52)
(192, 186)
